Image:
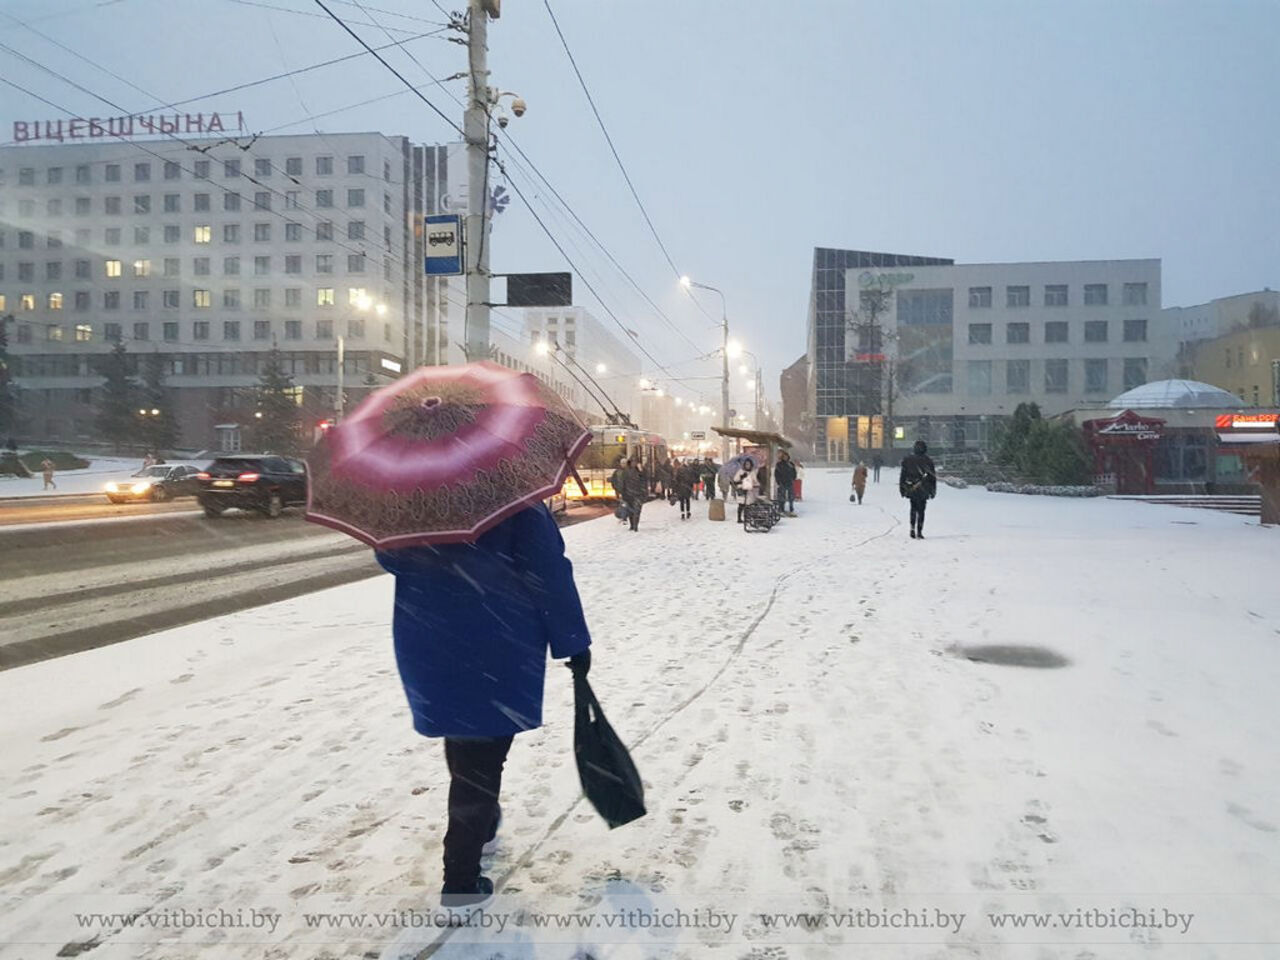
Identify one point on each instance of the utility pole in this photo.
(475, 126)
(724, 380)
(342, 391)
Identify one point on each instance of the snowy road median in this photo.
(1053, 710)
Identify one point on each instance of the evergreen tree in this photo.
(8, 394)
(118, 419)
(159, 430)
(277, 429)
(1012, 443)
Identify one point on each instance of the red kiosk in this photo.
(1124, 447)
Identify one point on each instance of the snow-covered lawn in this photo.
(811, 735)
(92, 479)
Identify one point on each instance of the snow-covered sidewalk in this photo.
(92, 479)
(812, 736)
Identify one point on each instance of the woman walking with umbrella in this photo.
(443, 474)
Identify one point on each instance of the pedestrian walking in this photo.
(785, 475)
(472, 626)
(709, 470)
(686, 477)
(666, 476)
(876, 463)
(918, 482)
(46, 469)
(859, 480)
(635, 490)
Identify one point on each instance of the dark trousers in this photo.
(875, 473)
(917, 512)
(475, 771)
(787, 496)
(685, 508)
(633, 513)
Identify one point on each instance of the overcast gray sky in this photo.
(983, 131)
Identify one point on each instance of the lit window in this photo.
(53, 333)
(113, 268)
(84, 332)
(203, 234)
(324, 297)
(55, 301)
(357, 295)
(142, 268)
(203, 298)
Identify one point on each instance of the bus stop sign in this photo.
(444, 245)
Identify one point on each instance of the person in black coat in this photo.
(785, 474)
(710, 469)
(876, 463)
(635, 490)
(918, 482)
(685, 478)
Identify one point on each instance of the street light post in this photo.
(686, 282)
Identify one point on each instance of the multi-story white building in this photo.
(591, 351)
(961, 345)
(209, 257)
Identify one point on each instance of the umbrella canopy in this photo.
(735, 465)
(442, 455)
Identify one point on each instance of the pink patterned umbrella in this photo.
(442, 455)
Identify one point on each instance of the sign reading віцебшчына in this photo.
(126, 128)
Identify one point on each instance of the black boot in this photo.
(466, 896)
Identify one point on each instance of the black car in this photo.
(159, 482)
(263, 482)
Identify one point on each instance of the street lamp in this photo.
(688, 283)
(601, 368)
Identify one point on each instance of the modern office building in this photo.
(208, 257)
(956, 347)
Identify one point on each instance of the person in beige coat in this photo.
(859, 480)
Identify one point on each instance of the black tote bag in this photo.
(609, 778)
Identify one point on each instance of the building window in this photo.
(1135, 331)
(324, 263)
(141, 172)
(230, 329)
(172, 170)
(142, 268)
(82, 269)
(355, 263)
(201, 169)
(324, 230)
(262, 329)
(202, 299)
(1055, 295)
(324, 297)
(231, 233)
(82, 173)
(979, 297)
(27, 301)
(262, 232)
(142, 330)
(1095, 376)
(231, 299)
(386, 170)
(200, 203)
(979, 378)
(172, 266)
(113, 268)
(231, 266)
(200, 266)
(111, 300)
(293, 232)
(53, 208)
(111, 206)
(26, 240)
(293, 263)
(112, 333)
(980, 332)
(52, 271)
(261, 168)
(200, 330)
(291, 200)
(1095, 294)
(324, 198)
(140, 298)
(170, 299)
(141, 236)
(170, 329)
(1055, 376)
(111, 173)
(27, 176)
(262, 200)
(203, 234)
(293, 328)
(84, 237)
(82, 300)
(324, 329)
(357, 295)
(1055, 331)
(83, 333)
(324, 166)
(355, 230)
(386, 203)
(1135, 294)
(24, 332)
(293, 297)
(293, 166)
(355, 328)
(111, 237)
(230, 168)
(261, 298)
(355, 164)
(231, 202)
(142, 203)
(55, 301)
(82, 206)
(172, 234)
(53, 333)
(1135, 372)
(355, 197)
(261, 266)
(1095, 331)
(1017, 376)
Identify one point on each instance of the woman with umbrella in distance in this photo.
(444, 474)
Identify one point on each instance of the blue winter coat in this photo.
(473, 622)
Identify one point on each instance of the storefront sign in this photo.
(885, 281)
(1247, 421)
(125, 128)
(1126, 426)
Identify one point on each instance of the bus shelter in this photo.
(763, 442)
